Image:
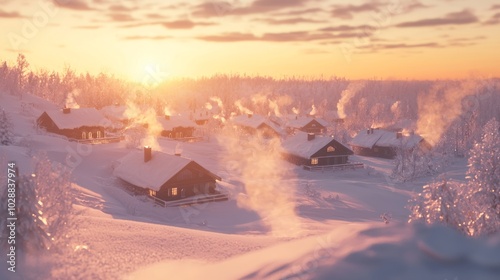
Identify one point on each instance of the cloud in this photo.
(4, 14)
(183, 24)
(296, 36)
(495, 19)
(300, 12)
(140, 37)
(229, 37)
(294, 20)
(464, 17)
(212, 9)
(155, 16)
(79, 5)
(348, 28)
(121, 17)
(119, 8)
(347, 11)
(405, 46)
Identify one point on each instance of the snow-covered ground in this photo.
(338, 232)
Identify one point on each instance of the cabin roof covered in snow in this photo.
(255, 121)
(152, 174)
(300, 122)
(77, 118)
(175, 121)
(115, 112)
(299, 145)
(384, 138)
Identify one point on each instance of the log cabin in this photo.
(81, 123)
(253, 124)
(164, 176)
(309, 149)
(384, 143)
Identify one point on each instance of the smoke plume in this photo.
(440, 107)
(148, 118)
(347, 94)
(70, 101)
(268, 183)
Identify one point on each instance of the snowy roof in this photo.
(115, 112)
(77, 118)
(299, 145)
(384, 138)
(152, 174)
(300, 122)
(255, 121)
(175, 121)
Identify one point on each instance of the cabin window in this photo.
(99, 134)
(180, 134)
(330, 149)
(314, 161)
(84, 135)
(170, 135)
(152, 193)
(183, 192)
(90, 135)
(174, 191)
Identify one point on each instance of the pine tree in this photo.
(484, 180)
(5, 129)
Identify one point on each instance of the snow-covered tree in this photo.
(53, 185)
(484, 179)
(45, 213)
(5, 129)
(411, 163)
(30, 232)
(439, 202)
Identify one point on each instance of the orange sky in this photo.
(403, 39)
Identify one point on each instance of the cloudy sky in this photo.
(409, 39)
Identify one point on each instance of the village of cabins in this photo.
(172, 180)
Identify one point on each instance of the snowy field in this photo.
(330, 226)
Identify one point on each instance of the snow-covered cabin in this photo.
(306, 124)
(201, 116)
(81, 123)
(383, 143)
(313, 150)
(176, 127)
(253, 123)
(164, 176)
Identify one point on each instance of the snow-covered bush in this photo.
(440, 202)
(413, 163)
(5, 129)
(473, 207)
(484, 180)
(30, 226)
(44, 206)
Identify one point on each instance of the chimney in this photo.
(167, 117)
(250, 115)
(66, 110)
(147, 153)
(310, 136)
(368, 131)
(399, 135)
(177, 154)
